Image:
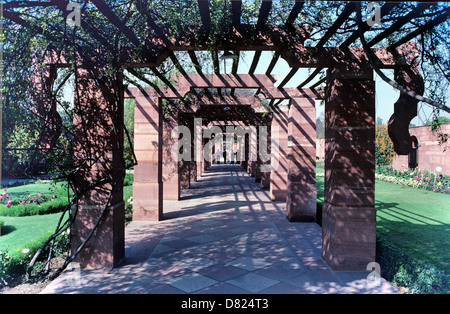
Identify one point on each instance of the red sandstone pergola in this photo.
(349, 217)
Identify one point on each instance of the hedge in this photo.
(406, 271)
(20, 210)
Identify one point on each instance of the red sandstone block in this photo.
(148, 171)
(106, 246)
(349, 195)
(348, 236)
(171, 191)
(301, 202)
(147, 201)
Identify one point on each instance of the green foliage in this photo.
(20, 210)
(26, 200)
(406, 271)
(128, 120)
(128, 180)
(436, 128)
(424, 179)
(16, 261)
(21, 140)
(128, 199)
(384, 148)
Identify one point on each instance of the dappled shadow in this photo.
(6, 229)
(419, 236)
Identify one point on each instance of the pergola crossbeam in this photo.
(254, 64)
(203, 6)
(236, 10)
(114, 19)
(264, 11)
(311, 77)
(399, 23)
(295, 12)
(348, 10)
(385, 9)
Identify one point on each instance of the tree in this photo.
(384, 148)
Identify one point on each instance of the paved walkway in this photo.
(225, 236)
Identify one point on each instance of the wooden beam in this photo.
(385, 9)
(235, 68)
(399, 23)
(272, 64)
(114, 19)
(194, 60)
(236, 11)
(176, 62)
(288, 77)
(203, 6)
(349, 8)
(255, 62)
(309, 79)
(264, 11)
(294, 12)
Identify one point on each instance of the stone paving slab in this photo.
(225, 236)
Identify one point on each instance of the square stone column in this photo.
(279, 157)
(198, 147)
(171, 180)
(301, 202)
(148, 184)
(349, 216)
(265, 175)
(98, 155)
(185, 168)
(192, 163)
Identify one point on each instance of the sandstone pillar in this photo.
(148, 185)
(265, 175)
(278, 175)
(301, 202)
(98, 153)
(171, 180)
(349, 217)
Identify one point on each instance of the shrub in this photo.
(20, 210)
(404, 270)
(128, 180)
(384, 148)
(17, 261)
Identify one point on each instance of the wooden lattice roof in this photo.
(162, 40)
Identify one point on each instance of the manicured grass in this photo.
(18, 231)
(33, 189)
(415, 220)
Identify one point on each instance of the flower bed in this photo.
(431, 181)
(19, 202)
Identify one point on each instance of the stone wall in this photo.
(430, 154)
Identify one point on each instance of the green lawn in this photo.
(18, 231)
(415, 220)
(33, 190)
